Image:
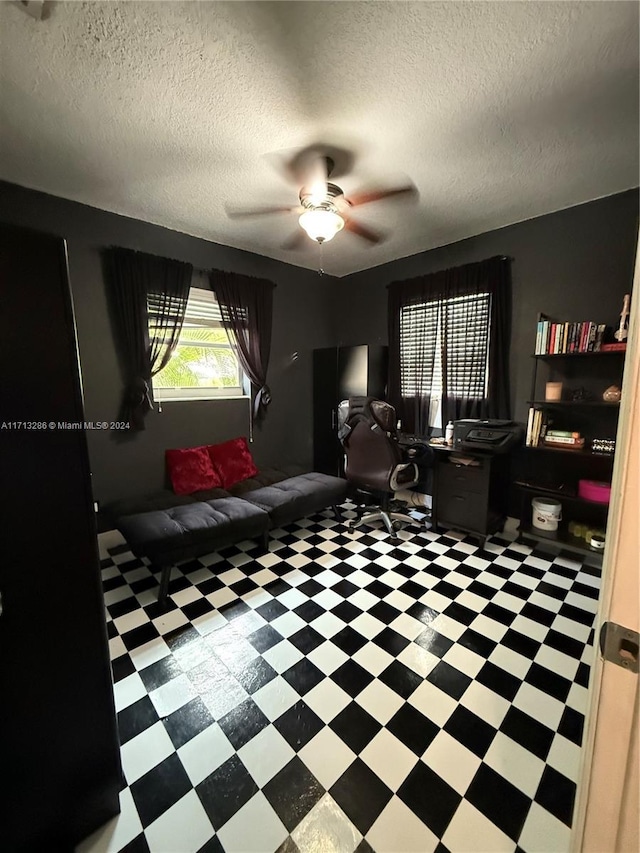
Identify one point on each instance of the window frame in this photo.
(205, 314)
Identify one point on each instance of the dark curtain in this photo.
(144, 287)
(246, 305)
(427, 303)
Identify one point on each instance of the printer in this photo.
(489, 436)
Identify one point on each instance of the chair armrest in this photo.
(398, 471)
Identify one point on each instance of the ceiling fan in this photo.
(323, 208)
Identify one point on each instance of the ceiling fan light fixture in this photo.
(321, 223)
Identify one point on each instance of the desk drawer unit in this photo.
(470, 498)
(463, 494)
(457, 478)
(467, 510)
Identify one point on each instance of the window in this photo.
(204, 365)
(466, 320)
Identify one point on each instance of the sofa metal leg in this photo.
(337, 513)
(264, 541)
(165, 577)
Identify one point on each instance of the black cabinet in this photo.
(60, 753)
(471, 498)
(339, 373)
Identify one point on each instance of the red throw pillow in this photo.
(191, 470)
(233, 461)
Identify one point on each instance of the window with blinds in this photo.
(457, 330)
(204, 364)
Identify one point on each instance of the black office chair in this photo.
(375, 462)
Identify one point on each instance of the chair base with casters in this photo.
(391, 519)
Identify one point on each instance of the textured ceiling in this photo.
(165, 111)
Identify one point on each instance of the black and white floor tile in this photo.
(347, 693)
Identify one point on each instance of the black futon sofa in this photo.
(166, 527)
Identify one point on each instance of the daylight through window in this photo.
(465, 322)
(204, 364)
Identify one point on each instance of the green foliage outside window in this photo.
(202, 359)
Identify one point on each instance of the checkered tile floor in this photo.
(345, 693)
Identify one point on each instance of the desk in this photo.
(470, 498)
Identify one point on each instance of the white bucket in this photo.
(546, 513)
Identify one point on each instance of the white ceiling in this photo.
(164, 111)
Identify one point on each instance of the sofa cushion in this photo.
(233, 461)
(191, 470)
(264, 477)
(202, 527)
(296, 497)
(164, 499)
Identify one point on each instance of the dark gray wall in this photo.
(575, 264)
(300, 323)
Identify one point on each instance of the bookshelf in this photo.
(582, 358)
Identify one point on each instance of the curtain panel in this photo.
(246, 306)
(139, 284)
(430, 300)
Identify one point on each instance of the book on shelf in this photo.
(536, 427)
(617, 347)
(576, 337)
(529, 432)
(584, 331)
(565, 443)
(555, 338)
(540, 434)
(542, 336)
(571, 441)
(602, 328)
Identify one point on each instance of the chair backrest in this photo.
(370, 442)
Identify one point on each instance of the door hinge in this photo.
(620, 645)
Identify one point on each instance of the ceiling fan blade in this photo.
(365, 197)
(296, 241)
(239, 212)
(363, 231)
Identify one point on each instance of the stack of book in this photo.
(539, 434)
(564, 439)
(557, 338)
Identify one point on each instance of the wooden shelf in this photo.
(559, 537)
(575, 451)
(558, 493)
(578, 354)
(581, 403)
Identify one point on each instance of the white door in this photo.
(607, 808)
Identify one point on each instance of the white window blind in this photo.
(467, 342)
(202, 309)
(420, 350)
(459, 327)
